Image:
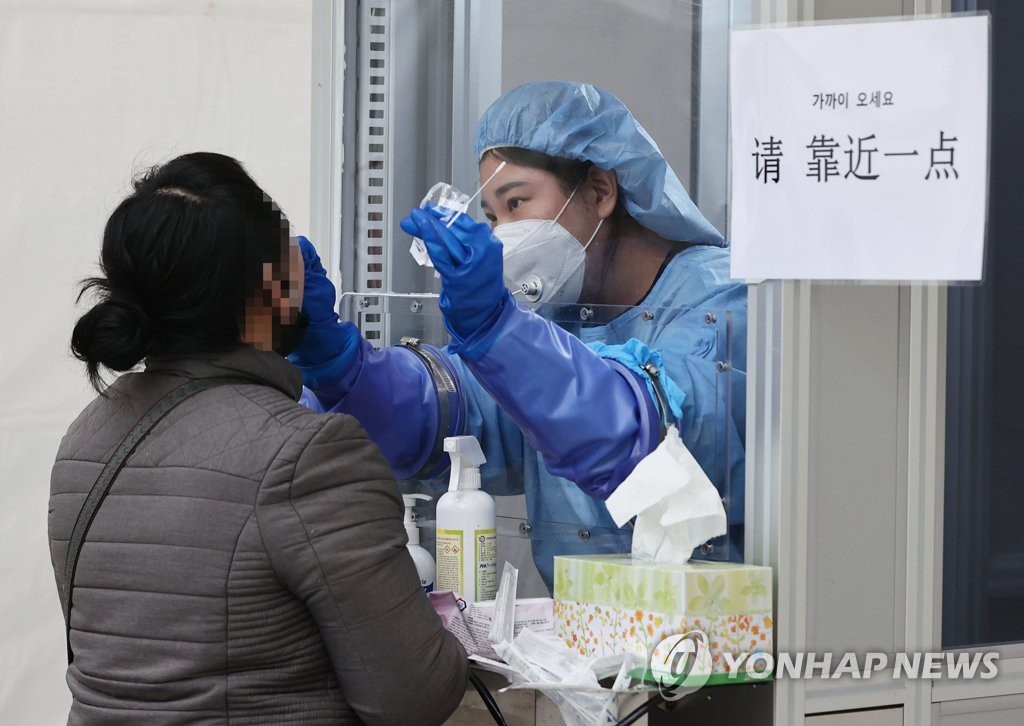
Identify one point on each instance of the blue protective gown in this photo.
(564, 519)
(694, 315)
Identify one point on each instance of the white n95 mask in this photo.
(542, 260)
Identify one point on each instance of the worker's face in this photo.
(521, 192)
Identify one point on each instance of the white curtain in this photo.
(91, 91)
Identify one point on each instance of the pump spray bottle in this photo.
(466, 551)
(420, 557)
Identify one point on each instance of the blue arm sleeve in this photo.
(408, 400)
(395, 398)
(591, 418)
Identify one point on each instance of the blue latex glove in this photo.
(468, 258)
(328, 355)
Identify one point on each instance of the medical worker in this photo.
(588, 224)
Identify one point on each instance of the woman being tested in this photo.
(248, 563)
(588, 224)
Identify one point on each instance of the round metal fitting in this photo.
(363, 303)
(525, 528)
(710, 318)
(707, 549)
(584, 534)
(416, 306)
(647, 315)
(586, 313)
(533, 288)
(722, 366)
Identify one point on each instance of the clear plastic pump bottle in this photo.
(420, 557)
(466, 547)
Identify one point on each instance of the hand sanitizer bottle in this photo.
(466, 548)
(420, 557)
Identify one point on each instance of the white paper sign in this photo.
(859, 151)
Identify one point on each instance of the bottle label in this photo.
(486, 560)
(449, 560)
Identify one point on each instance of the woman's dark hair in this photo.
(181, 255)
(568, 172)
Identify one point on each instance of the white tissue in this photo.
(676, 506)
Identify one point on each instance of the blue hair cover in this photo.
(585, 123)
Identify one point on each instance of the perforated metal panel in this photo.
(371, 248)
(398, 99)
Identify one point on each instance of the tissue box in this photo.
(607, 604)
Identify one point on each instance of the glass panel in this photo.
(684, 336)
(386, 318)
(649, 55)
(641, 52)
(552, 516)
(983, 576)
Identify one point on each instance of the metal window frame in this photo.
(371, 157)
(709, 178)
(476, 80)
(780, 355)
(777, 470)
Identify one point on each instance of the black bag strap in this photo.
(106, 478)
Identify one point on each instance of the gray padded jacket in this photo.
(248, 566)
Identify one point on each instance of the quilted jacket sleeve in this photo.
(330, 515)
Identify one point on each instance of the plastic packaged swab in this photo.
(449, 200)
(477, 192)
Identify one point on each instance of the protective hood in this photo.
(585, 123)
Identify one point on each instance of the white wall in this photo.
(90, 91)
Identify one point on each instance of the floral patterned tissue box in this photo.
(608, 604)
